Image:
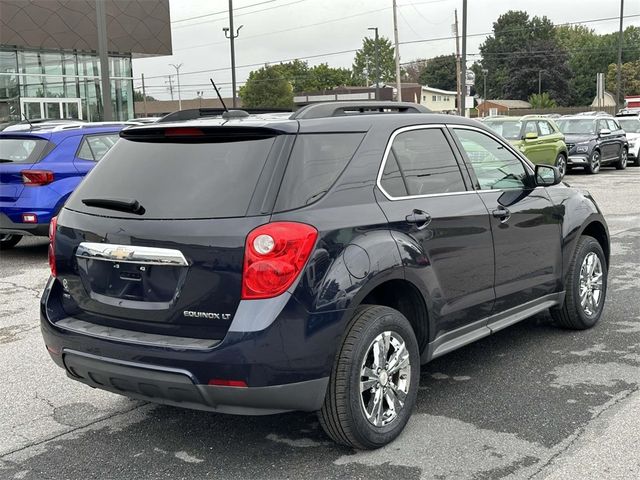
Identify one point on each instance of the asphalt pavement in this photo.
(531, 401)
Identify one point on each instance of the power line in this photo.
(221, 12)
(406, 42)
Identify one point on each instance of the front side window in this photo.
(94, 147)
(530, 127)
(421, 162)
(494, 165)
(613, 126)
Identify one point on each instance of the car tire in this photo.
(595, 160)
(351, 390)
(582, 307)
(621, 164)
(9, 240)
(561, 163)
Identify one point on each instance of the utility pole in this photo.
(144, 96)
(540, 82)
(463, 66)
(458, 78)
(377, 60)
(170, 81)
(177, 67)
(395, 34)
(103, 46)
(619, 67)
(232, 34)
(484, 90)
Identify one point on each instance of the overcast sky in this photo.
(275, 30)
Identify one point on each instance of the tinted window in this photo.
(316, 162)
(177, 180)
(21, 150)
(545, 128)
(420, 162)
(95, 146)
(494, 165)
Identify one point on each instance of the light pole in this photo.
(397, 46)
(484, 89)
(540, 81)
(377, 60)
(177, 67)
(232, 34)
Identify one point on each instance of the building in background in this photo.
(501, 107)
(160, 108)
(49, 65)
(434, 99)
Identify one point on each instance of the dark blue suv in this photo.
(256, 264)
(40, 165)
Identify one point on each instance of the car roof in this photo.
(502, 119)
(51, 130)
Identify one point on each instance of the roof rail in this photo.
(195, 113)
(339, 109)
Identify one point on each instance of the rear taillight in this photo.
(34, 178)
(52, 245)
(274, 256)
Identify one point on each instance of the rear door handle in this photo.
(501, 213)
(419, 218)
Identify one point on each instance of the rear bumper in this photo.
(282, 353)
(36, 229)
(178, 387)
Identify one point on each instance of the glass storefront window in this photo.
(9, 88)
(51, 63)
(69, 64)
(88, 65)
(29, 62)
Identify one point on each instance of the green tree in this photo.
(521, 49)
(364, 63)
(267, 87)
(440, 72)
(590, 53)
(138, 97)
(324, 77)
(542, 100)
(629, 76)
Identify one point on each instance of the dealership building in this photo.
(49, 63)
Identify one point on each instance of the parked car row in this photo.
(589, 140)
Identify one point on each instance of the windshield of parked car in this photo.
(508, 130)
(21, 150)
(631, 125)
(575, 125)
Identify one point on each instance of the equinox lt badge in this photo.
(212, 316)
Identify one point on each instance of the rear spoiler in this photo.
(195, 113)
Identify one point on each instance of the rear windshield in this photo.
(21, 150)
(177, 180)
(577, 126)
(317, 159)
(630, 125)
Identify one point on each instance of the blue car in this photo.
(40, 166)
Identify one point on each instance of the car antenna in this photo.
(28, 121)
(219, 96)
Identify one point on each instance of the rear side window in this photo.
(21, 150)
(177, 180)
(315, 164)
(94, 147)
(420, 162)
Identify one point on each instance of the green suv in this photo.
(538, 138)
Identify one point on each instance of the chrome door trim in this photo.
(387, 150)
(131, 254)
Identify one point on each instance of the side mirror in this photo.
(604, 131)
(530, 136)
(547, 175)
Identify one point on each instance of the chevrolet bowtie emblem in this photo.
(120, 253)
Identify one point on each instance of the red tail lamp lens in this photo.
(228, 383)
(183, 132)
(274, 256)
(34, 178)
(52, 245)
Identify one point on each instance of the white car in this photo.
(631, 126)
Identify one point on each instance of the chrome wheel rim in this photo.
(591, 277)
(385, 376)
(562, 165)
(595, 162)
(623, 158)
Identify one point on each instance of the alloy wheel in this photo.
(591, 283)
(385, 377)
(623, 158)
(561, 163)
(595, 162)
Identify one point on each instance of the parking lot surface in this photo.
(531, 401)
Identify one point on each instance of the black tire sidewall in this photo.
(588, 246)
(366, 433)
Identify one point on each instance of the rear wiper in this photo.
(119, 204)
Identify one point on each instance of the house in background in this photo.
(500, 107)
(608, 100)
(434, 99)
(342, 94)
